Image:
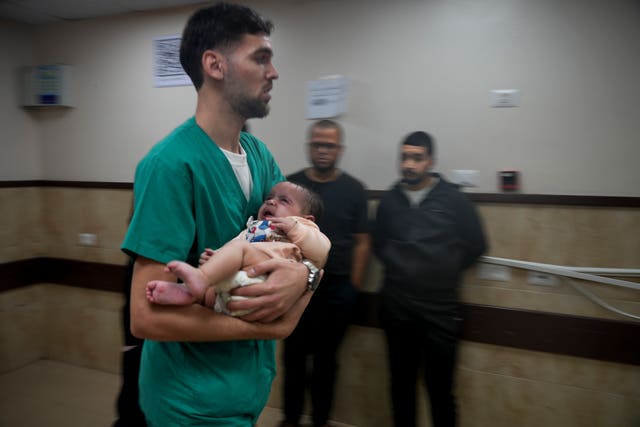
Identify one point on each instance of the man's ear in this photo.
(309, 217)
(213, 64)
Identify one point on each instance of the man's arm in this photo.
(360, 258)
(471, 233)
(377, 229)
(361, 239)
(195, 322)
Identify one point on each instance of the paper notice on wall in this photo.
(167, 70)
(327, 97)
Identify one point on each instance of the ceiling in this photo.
(45, 11)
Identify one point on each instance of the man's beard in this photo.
(241, 102)
(250, 108)
(413, 179)
(324, 169)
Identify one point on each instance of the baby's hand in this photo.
(204, 256)
(283, 225)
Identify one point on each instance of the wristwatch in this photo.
(313, 280)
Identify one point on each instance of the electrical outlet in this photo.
(87, 239)
(541, 279)
(498, 273)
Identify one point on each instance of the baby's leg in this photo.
(231, 258)
(169, 293)
(224, 271)
(194, 279)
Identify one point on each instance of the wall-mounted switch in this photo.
(87, 239)
(500, 98)
(465, 177)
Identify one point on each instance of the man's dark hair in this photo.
(327, 124)
(420, 139)
(217, 27)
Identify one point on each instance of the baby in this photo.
(285, 229)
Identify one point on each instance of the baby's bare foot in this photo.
(168, 293)
(193, 278)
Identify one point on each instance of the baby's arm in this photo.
(206, 255)
(284, 225)
(307, 236)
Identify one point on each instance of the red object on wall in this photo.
(509, 180)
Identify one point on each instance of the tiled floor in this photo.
(48, 393)
(54, 394)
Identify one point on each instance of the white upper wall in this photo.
(20, 149)
(413, 65)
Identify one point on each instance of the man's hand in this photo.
(286, 283)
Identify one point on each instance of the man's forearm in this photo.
(185, 323)
(360, 259)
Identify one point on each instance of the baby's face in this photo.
(285, 199)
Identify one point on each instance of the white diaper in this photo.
(223, 290)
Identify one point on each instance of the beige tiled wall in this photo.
(503, 387)
(23, 338)
(46, 221)
(68, 212)
(564, 235)
(559, 235)
(497, 386)
(22, 232)
(70, 324)
(64, 323)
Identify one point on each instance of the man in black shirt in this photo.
(323, 324)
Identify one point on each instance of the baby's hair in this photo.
(313, 202)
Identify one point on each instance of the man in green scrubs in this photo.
(195, 189)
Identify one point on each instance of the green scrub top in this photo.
(187, 198)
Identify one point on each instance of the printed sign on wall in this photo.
(327, 97)
(167, 70)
